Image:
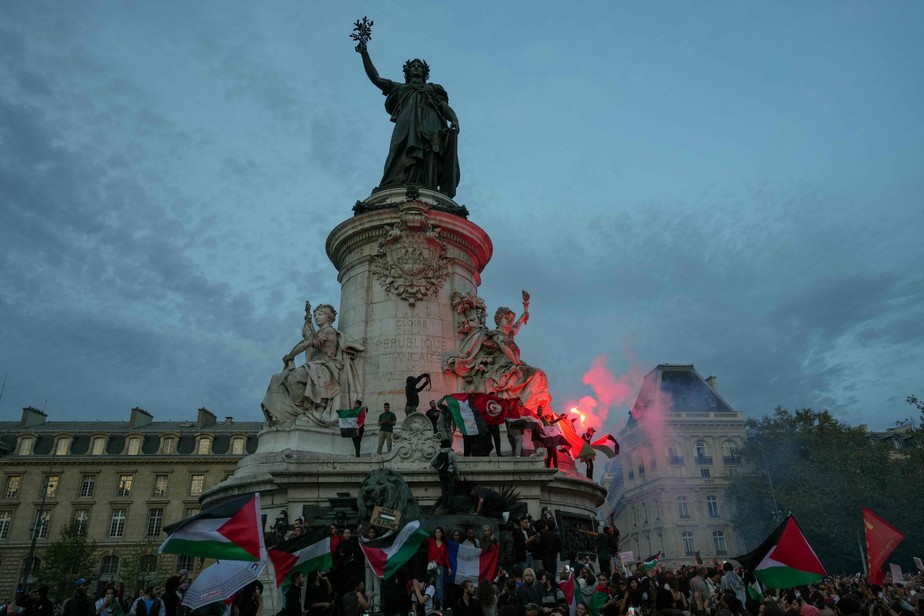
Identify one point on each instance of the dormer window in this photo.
(25, 445)
(99, 446)
(205, 446)
(168, 445)
(237, 445)
(134, 446)
(62, 446)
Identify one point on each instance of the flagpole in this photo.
(862, 555)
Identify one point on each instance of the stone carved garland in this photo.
(411, 262)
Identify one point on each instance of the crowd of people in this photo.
(153, 600)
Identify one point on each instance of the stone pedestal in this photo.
(397, 266)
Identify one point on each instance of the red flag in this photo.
(881, 540)
(492, 408)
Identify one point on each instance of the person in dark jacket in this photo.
(81, 604)
(293, 599)
(147, 604)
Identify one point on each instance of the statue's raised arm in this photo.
(424, 148)
(382, 84)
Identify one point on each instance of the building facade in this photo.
(667, 487)
(120, 481)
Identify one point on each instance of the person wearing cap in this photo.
(81, 604)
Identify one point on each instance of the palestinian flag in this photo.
(388, 554)
(352, 421)
(471, 563)
(607, 445)
(462, 414)
(651, 562)
(784, 559)
(579, 447)
(598, 599)
(881, 540)
(230, 531)
(303, 554)
(492, 408)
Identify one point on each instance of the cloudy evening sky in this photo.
(739, 186)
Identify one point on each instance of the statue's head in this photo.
(416, 68)
(501, 313)
(326, 312)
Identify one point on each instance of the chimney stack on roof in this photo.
(32, 417)
(139, 418)
(205, 418)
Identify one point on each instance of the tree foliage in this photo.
(824, 472)
(143, 566)
(67, 558)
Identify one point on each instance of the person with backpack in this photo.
(446, 464)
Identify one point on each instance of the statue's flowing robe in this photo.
(423, 150)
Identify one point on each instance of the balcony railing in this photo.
(731, 460)
(675, 459)
(704, 459)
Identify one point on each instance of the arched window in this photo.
(689, 547)
(31, 567)
(674, 454)
(702, 452)
(109, 567)
(631, 465)
(730, 453)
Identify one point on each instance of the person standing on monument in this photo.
(387, 421)
(446, 464)
(412, 386)
(423, 147)
(433, 414)
(589, 461)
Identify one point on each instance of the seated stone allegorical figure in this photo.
(326, 382)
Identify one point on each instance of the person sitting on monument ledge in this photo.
(412, 386)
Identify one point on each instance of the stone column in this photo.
(398, 263)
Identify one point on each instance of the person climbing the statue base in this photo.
(446, 464)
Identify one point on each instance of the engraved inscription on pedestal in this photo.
(411, 262)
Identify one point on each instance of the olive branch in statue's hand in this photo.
(362, 33)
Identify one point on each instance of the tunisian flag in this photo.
(492, 408)
(881, 540)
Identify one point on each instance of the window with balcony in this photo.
(718, 541)
(125, 485)
(117, 523)
(155, 521)
(160, 485)
(730, 453)
(702, 453)
(689, 547)
(683, 509)
(704, 473)
(674, 455)
(712, 504)
(196, 485)
(13, 485)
